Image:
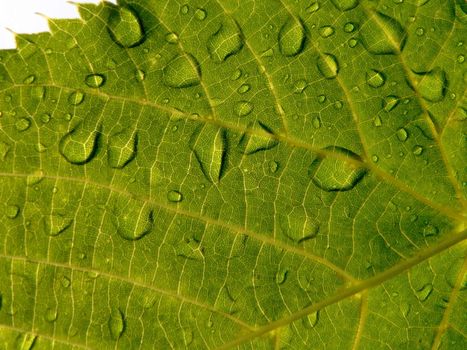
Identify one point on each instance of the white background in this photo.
(30, 16)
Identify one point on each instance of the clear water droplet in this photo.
(312, 319)
(94, 80)
(316, 122)
(424, 292)
(4, 150)
(225, 42)
(65, 282)
(338, 104)
(326, 31)
(374, 158)
(402, 134)
(22, 124)
(420, 31)
(243, 108)
(321, 98)
(244, 88)
(390, 102)
(51, 315)
(55, 224)
(12, 211)
(29, 79)
(432, 85)
(292, 37)
(352, 42)
(313, 7)
(172, 38)
(430, 230)
(25, 341)
(299, 86)
(132, 219)
(184, 9)
(460, 59)
(174, 196)
(336, 173)
(40, 147)
(253, 140)
(200, 14)
(35, 178)
(45, 118)
(375, 78)
(273, 166)
(236, 74)
(345, 5)
(122, 148)
(140, 75)
(328, 66)
(125, 27)
(79, 145)
(417, 150)
(349, 27)
(182, 71)
(76, 98)
(116, 323)
(281, 276)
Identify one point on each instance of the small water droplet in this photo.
(125, 27)
(417, 150)
(349, 27)
(390, 102)
(76, 98)
(345, 5)
(326, 31)
(432, 85)
(316, 122)
(12, 211)
(281, 276)
(65, 281)
(236, 74)
(29, 79)
(313, 7)
(322, 98)
(51, 315)
(122, 148)
(402, 134)
(95, 80)
(200, 14)
(140, 75)
(174, 196)
(40, 147)
(328, 66)
(299, 86)
(292, 37)
(460, 59)
(375, 78)
(35, 178)
(243, 108)
(312, 319)
(253, 141)
(182, 71)
(45, 118)
(374, 158)
(405, 309)
(79, 145)
(338, 105)
(172, 38)
(424, 292)
(352, 42)
(225, 42)
(132, 219)
(55, 224)
(38, 92)
(116, 323)
(273, 166)
(184, 9)
(420, 31)
(244, 88)
(336, 174)
(430, 230)
(22, 124)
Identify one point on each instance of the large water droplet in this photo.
(257, 138)
(345, 5)
(80, 145)
(209, 144)
(424, 292)
(382, 34)
(225, 42)
(375, 78)
(95, 80)
(55, 224)
(390, 102)
(402, 134)
(337, 173)
(328, 66)
(122, 148)
(76, 98)
(125, 27)
(174, 196)
(132, 219)
(432, 85)
(116, 323)
(182, 71)
(292, 37)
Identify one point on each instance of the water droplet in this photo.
(80, 145)
(405, 309)
(345, 5)
(29, 79)
(55, 224)
(243, 108)
(51, 315)
(172, 38)
(94, 80)
(200, 14)
(236, 74)
(12, 211)
(313, 7)
(424, 292)
(76, 98)
(257, 138)
(390, 102)
(382, 34)
(22, 124)
(420, 31)
(316, 122)
(352, 42)
(40, 147)
(132, 219)
(281, 276)
(140, 75)
(182, 71)
(35, 178)
(125, 27)
(312, 319)
(184, 9)
(338, 104)
(337, 173)
(375, 78)
(292, 37)
(122, 148)
(25, 341)
(430, 230)
(417, 150)
(38, 92)
(209, 144)
(174, 196)
(4, 149)
(116, 323)
(299, 86)
(374, 158)
(45, 118)
(460, 59)
(349, 27)
(327, 65)
(402, 134)
(225, 42)
(326, 31)
(267, 53)
(243, 89)
(322, 98)
(432, 85)
(273, 166)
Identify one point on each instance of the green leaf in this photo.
(236, 174)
